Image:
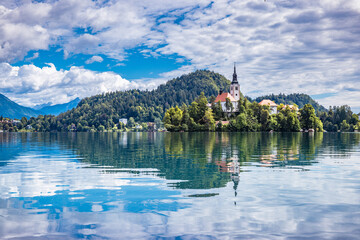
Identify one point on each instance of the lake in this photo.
(180, 185)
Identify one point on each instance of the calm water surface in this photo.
(179, 185)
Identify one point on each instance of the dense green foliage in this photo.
(102, 112)
(249, 117)
(144, 106)
(299, 99)
(340, 118)
(309, 120)
(196, 117)
(254, 117)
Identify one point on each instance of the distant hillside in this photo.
(299, 99)
(39, 106)
(144, 106)
(13, 110)
(59, 108)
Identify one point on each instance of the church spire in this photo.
(235, 86)
(234, 75)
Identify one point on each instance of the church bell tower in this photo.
(235, 86)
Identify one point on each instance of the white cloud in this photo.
(94, 59)
(279, 46)
(30, 85)
(308, 47)
(89, 27)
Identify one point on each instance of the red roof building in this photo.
(267, 102)
(222, 97)
(222, 122)
(271, 104)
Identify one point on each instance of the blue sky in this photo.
(55, 51)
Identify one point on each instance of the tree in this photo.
(24, 121)
(265, 120)
(228, 105)
(194, 111)
(241, 123)
(308, 118)
(198, 107)
(344, 126)
(318, 125)
(158, 123)
(286, 121)
(241, 105)
(131, 123)
(333, 119)
(219, 126)
(173, 119)
(208, 120)
(354, 119)
(217, 110)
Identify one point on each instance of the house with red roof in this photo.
(271, 104)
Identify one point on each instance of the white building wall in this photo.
(123, 120)
(234, 103)
(273, 110)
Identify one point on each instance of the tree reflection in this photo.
(197, 160)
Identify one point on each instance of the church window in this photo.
(236, 88)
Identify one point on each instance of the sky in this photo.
(54, 51)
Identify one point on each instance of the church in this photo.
(233, 96)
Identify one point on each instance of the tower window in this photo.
(236, 88)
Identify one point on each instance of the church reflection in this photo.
(193, 160)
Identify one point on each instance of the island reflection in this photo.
(105, 185)
(195, 160)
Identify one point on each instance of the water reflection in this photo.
(200, 185)
(200, 160)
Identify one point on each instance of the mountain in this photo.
(299, 99)
(13, 110)
(144, 106)
(59, 108)
(39, 106)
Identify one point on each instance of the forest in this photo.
(249, 117)
(102, 112)
(300, 99)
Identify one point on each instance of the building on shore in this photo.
(123, 121)
(272, 105)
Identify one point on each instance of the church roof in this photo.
(222, 97)
(267, 102)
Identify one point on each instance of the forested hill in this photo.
(299, 99)
(144, 106)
